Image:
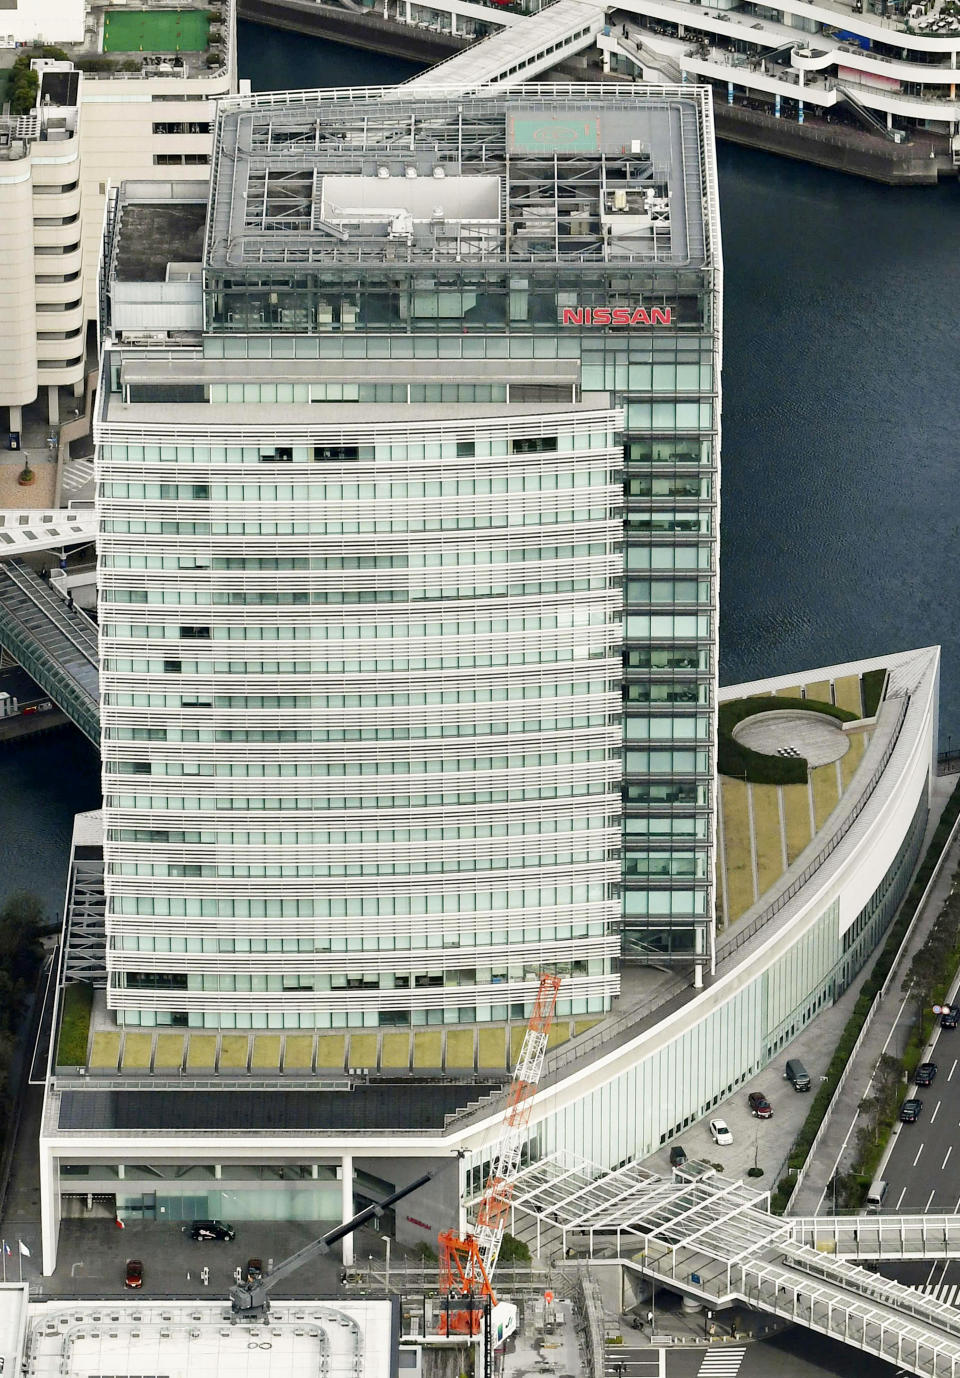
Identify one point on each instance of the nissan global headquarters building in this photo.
(408, 633)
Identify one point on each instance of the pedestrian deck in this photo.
(713, 1238)
(519, 52)
(55, 644)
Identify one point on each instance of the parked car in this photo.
(134, 1275)
(910, 1110)
(949, 1014)
(797, 1074)
(212, 1229)
(925, 1073)
(677, 1156)
(720, 1132)
(254, 1270)
(759, 1105)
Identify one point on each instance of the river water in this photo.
(841, 528)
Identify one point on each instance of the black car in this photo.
(759, 1105)
(910, 1110)
(925, 1073)
(949, 1014)
(212, 1229)
(677, 1156)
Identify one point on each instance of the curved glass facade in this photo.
(408, 572)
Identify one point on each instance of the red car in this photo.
(134, 1273)
(759, 1105)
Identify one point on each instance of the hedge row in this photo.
(75, 1025)
(741, 762)
(874, 982)
(871, 691)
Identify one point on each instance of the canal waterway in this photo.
(841, 513)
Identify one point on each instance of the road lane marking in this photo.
(933, 1269)
(952, 1069)
(919, 1151)
(944, 1163)
(900, 1198)
(934, 1115)
(929, 1199)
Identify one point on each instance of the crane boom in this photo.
(252, 1298)
(505, 1163)
(466, 1265)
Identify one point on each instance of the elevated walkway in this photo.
(56, 646)
(714, 1239)
(520, 52)
(883, 1237)
(48, 529)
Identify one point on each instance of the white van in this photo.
(878, 1190)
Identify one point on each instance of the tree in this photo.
(513, 1250)
(23, 90)
(21, 923)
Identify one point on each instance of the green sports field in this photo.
(155, 31)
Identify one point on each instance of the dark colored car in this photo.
(925, 1073)
(212, 1229)
(134, 1274)
(759, 1105)
(254, 1270)
(949, 1016)
(677, 1156)
(910, 1110)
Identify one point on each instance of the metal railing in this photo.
(40, 661)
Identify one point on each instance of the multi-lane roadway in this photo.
(923, 1169)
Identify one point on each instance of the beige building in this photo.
(105, 116)
(42, 334)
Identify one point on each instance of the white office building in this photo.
(362, 550)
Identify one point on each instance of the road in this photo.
(923, 1169)
(796, 1353)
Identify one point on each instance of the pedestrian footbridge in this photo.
(714, 1239)
(519, 52)
(55, 644)
(48, 529)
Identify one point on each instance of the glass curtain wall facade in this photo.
(477, 528)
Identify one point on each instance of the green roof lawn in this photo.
(155, 31)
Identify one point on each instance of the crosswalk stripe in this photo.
(721, 1363)
(945, 1292)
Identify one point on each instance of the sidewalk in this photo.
(767, 1143)
(888, 1031)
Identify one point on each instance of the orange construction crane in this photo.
(466, 1265)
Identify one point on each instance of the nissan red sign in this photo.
(616, 315)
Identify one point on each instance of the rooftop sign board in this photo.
(616, 315)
